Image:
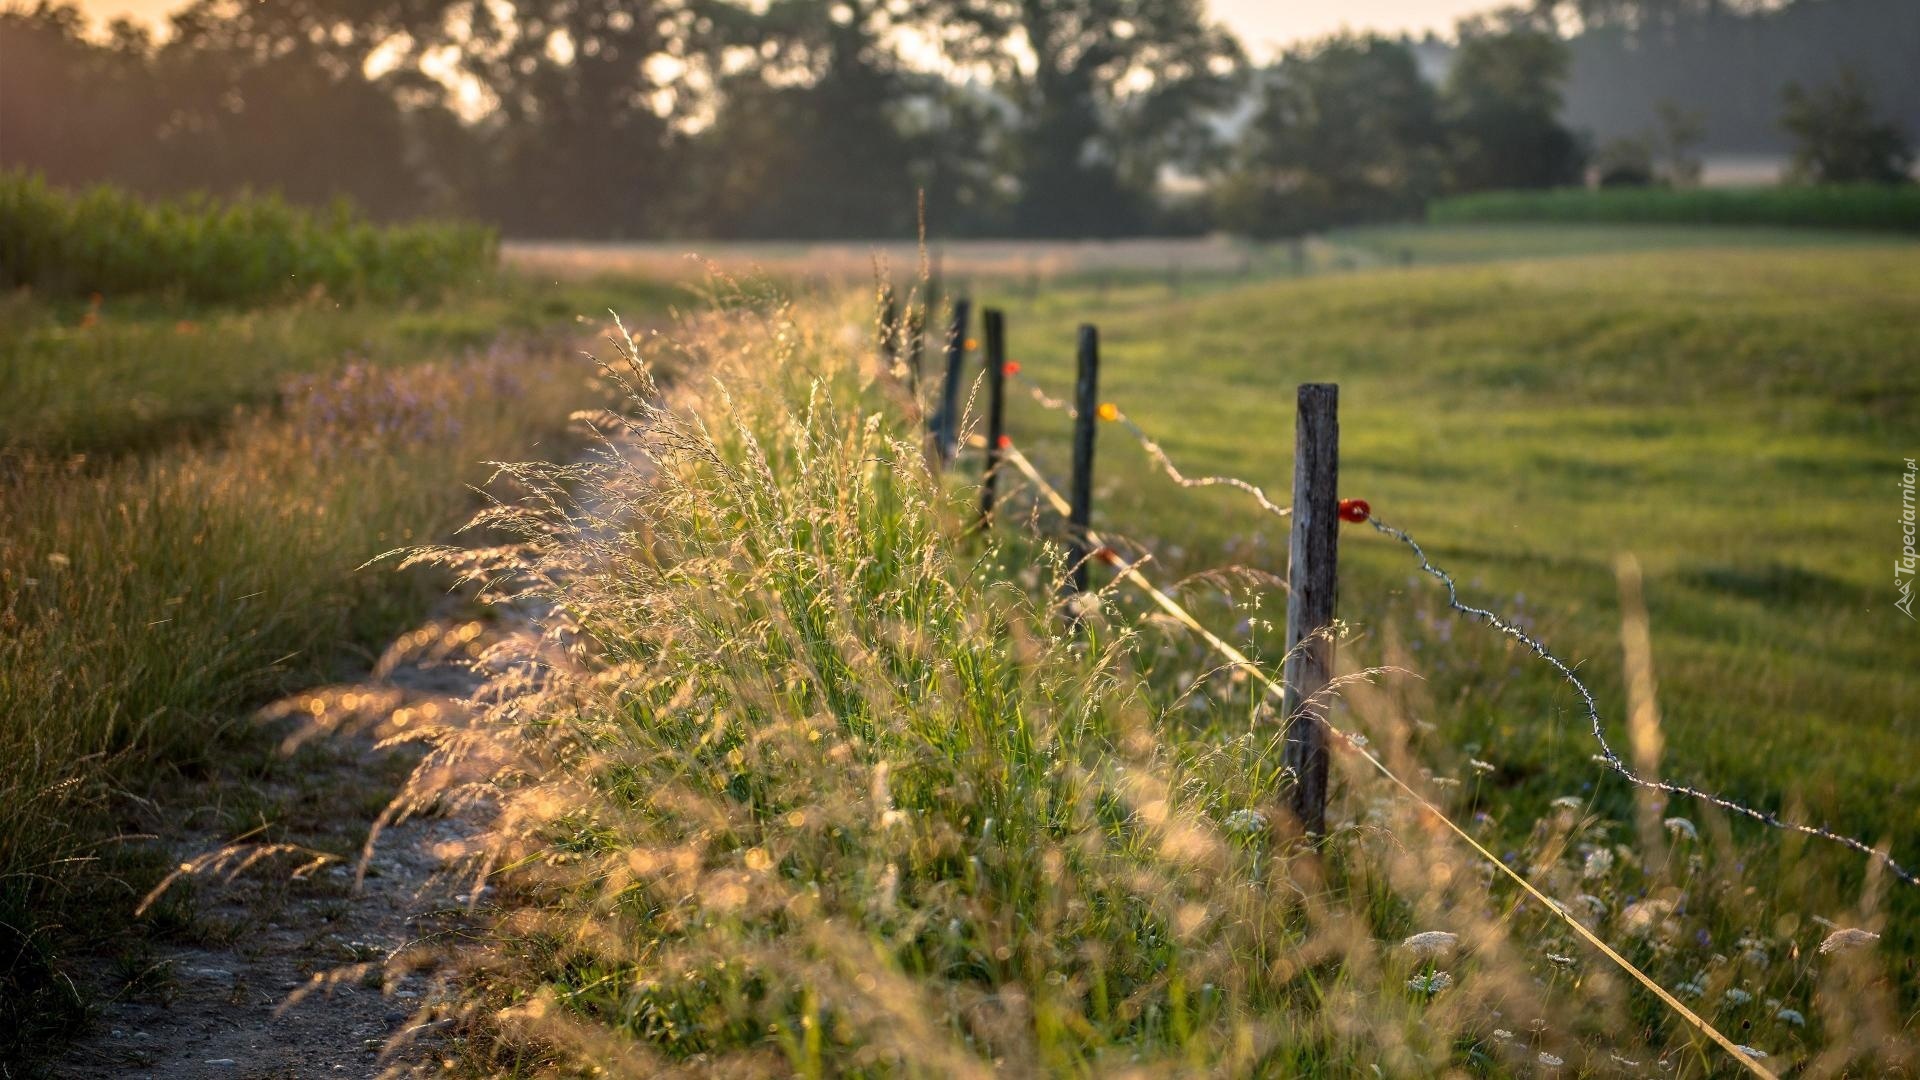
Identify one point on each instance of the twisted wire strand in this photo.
(1155, 451)
(1611, 759)
(1166, 464)
(1358, 744)
(1046, 400)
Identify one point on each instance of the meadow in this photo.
(833, 790)
(1735, 418)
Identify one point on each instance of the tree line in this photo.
(794, 118)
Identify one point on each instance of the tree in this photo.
(1682, 131)
(257, 97)
(827, 132)
(1347, 131)
(1502, 105)
(1105, 94)
(68, 105)
(239, 95)
(1838, 137)
(1644, 15)
(1625, 162)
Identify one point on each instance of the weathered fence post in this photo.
(1311, 579)
(948, 433)
(1086, 404)
(996, 332)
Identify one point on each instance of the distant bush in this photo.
(1862, 206)
(108, 241)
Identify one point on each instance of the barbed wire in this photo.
(1356, 743)
(1111, 412)
(1607, 755)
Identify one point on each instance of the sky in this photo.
(1263, 25)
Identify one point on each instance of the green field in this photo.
(1734, 417)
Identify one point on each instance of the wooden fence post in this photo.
(996, 332)
(1086, 404)
(948, 432)
(1311, 581)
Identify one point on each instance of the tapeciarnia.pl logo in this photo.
(1903, 566)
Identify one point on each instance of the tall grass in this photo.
(110, 242)
(1862, 206)
(148, 605)
(805, 778)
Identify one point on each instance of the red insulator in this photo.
(1354, 510)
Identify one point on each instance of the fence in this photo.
(1314, 516)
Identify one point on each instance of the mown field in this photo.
(1735, 418)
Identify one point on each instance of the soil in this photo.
(259, 965)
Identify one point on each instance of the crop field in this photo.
(816, 781)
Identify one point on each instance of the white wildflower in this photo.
(1560, 961)
(1430, 984)
(1482, 766)
(1643, 916)
(1551, 1061)
(1246, 822)
(1598, 862)
(1791, 1016)
(1502, 1034)
(1431, 943)
(1737, 996)
(1569, 802)
(1753, 1053)
(1681, 828)
(1846, 939)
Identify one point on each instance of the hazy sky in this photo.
(1262, 24)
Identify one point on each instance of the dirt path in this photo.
(268, 972)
